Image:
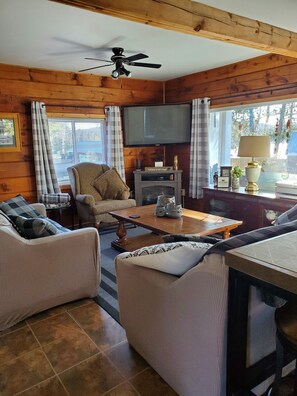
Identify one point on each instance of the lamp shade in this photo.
(254, 146)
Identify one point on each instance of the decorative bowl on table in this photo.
(173, 210)
(162, 201)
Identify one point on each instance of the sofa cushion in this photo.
(172, 258)
(35, 227)
(18, 206)
(110, 185)
(286, 217)
(189, 237)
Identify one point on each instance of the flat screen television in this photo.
(156, 124)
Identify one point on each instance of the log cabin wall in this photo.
(261, 79)
(264, 78)
(63, 93)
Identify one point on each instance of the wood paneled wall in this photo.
(62, 93)
(265, 78)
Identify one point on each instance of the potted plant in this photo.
(236, 173)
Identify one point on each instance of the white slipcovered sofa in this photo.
(38, 274)
(178, 323)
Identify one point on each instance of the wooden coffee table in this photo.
(191, 222)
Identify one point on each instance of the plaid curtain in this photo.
(46, 179)
(199, 154)
(115, 154)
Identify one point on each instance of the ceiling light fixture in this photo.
(126, 72)
(119, 71)
(115, 74)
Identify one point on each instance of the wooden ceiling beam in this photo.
(198, 19)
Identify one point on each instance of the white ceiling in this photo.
(44, 34)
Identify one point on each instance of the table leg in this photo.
(226, 234)
(121, 233)
(238, 295)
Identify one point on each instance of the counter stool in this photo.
(286, 340)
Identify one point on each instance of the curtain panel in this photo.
(114, 139)
(46, 178)
(199, 152)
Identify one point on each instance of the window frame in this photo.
(76, 118)
(223, 138)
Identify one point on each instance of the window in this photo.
(277, 120)
(74, 141)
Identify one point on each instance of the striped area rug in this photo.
(107, 296)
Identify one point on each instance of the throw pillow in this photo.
(110, 185)
(189, 237)
(286, 217)
(172, 258)
(18, 206)
(34, 227)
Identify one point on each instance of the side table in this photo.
(55, 211)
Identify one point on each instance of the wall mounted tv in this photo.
(157, 124)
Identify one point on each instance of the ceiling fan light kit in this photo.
(119, 60)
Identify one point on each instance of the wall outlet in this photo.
(183, 192)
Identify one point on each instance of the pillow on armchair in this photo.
(34, 227)
(286, 217)
(18, 206)
(172, 258)
(110, 185)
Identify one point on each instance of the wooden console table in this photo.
(251, 208)
(271, 265)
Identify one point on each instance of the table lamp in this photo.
(253, 146)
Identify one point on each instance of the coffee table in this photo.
(191, 222)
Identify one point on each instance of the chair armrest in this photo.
(85, 199)
(40, 207)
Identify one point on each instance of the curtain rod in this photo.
(79, 107)
(61, 105)
(236, 95)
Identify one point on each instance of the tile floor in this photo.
(77, 350)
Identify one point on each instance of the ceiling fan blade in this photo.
(100, 60)
(92, 68)
(135, 57)
(152, 65)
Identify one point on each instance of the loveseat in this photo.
(40, 273)
(177, 318)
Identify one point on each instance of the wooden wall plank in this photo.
(13, 185)
(191, 17)
(264, 77)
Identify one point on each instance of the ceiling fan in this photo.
(120, 60)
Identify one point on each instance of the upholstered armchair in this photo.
(178, 323)
(41, 273)
(97, 190)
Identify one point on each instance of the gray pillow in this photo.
(34, 227)
(286, 217)
(18, 206)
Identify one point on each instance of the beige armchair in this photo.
(98, 190)
(178, 324)
(39, 274)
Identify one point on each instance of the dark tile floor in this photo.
(76, 349)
